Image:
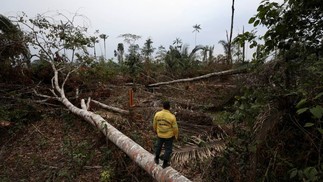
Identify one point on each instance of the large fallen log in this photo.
(138, 154)
(221, 73)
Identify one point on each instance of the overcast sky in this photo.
(161, 20)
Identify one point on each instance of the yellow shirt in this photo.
(165, 124)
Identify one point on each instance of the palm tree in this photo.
(181, 61)
(211, 51)
(94, 40)
(196, 48)
(148, 49)
(205, 52)
(172, 60)
(160, 54)
(178, 43)
(197, 28)
(104, 37)
(227, 51)
(133, 60)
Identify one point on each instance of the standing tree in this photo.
(94, 40)
(104, 37)
(181, 61)
(172, 58)
(148, 49)
(243, 48)
(197, 28)
(295, 28)
(226, 48)
(133, 58)
(178, 43)
(211, 51)
(292, 22)
(232, 49)
(230, 37)
(160, 54)
(119, 53)
(207, 53)
(237, 53)
(130, 39)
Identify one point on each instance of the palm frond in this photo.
(196, 48)
(196, 149)
(266, 120)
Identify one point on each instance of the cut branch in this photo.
(111, 108)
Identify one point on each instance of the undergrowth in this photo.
(277, 126)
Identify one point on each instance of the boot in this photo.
(156, 159)
(165, 164)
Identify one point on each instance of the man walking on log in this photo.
(165, 126)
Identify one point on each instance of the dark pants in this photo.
(168, 147)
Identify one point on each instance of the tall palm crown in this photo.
(148, 49)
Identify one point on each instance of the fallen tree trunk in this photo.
(138, 154)
(221, 73)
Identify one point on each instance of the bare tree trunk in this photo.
(221, 73)
(230, 38)
(243, 48)
(105, 50)
(141, 156)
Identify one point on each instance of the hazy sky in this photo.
(161, 20)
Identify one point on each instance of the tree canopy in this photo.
(294, 21)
